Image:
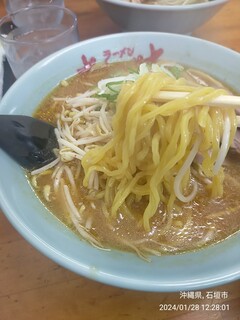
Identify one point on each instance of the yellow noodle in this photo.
(151, 142)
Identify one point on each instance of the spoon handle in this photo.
(27, 140)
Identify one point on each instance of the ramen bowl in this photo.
(183, 19)
(206, 267)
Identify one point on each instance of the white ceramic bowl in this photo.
(212, 266)
(143, 17)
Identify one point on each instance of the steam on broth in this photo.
(136, 174)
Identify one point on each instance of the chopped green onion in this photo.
(109, 97)
(176, 71)
(110, 86)
(133, 71)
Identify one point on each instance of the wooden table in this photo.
(33, 287)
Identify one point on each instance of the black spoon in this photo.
(29, 141)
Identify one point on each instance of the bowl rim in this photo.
(156, 7)
(74, 265)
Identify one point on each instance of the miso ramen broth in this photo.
(206, 219)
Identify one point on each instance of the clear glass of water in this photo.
(30, 34)
(14, 5)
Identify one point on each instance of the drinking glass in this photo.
(14, 5)
(30, 34)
